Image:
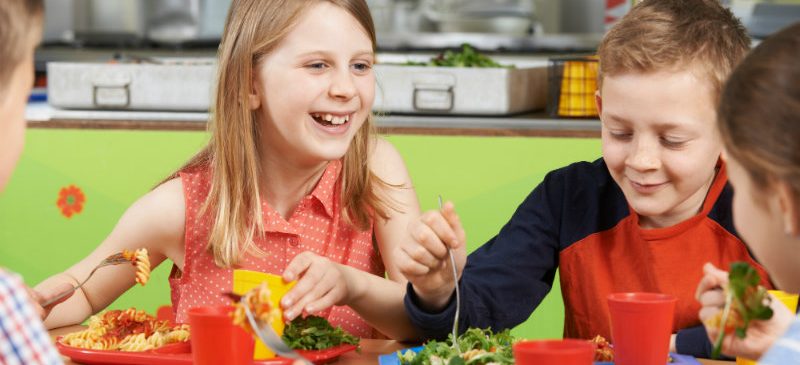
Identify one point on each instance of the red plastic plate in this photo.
(181, 354)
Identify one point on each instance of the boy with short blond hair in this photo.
(644, 218)
(672, 35)
(23, 339)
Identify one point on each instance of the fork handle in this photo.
(111, 260)
(271, 339)
(74, 288)
(59, 296)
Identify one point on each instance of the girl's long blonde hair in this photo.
(252, 30)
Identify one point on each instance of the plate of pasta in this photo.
(124, 335)
(180, 354)
(134, 337)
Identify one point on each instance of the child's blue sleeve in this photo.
(786, 350)
(694, 341)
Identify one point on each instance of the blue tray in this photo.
(391, 359)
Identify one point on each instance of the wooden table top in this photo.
(370, 350)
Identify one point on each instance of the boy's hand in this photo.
(37, 298)
(425, 261)
(760, 335)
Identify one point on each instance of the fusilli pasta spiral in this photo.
(141, 261)
(257, 300)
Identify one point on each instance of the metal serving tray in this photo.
(175, 84)
(458, 90)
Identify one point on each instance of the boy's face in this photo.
(659, 142)
(12, 116)
(759, 219)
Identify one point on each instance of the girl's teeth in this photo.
(330, 118)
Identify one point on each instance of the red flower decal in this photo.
(70, 200)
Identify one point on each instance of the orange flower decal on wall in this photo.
(70, 200)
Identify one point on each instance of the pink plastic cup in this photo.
(215, 340)
(554, 352)
(641, 324)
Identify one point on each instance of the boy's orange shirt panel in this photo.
(629, 259)
(316, 225)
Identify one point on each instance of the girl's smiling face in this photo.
(315, 90)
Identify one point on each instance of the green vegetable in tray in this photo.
(467, 57)
(315, 333)
(745, 301)
(478, 347)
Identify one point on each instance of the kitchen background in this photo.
(530, 23)
(83, 167)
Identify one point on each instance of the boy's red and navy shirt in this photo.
(578, 220)
(23, 338)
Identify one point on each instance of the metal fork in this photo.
(114, 259)
(726, 312)
(458, 293)
(266, 334)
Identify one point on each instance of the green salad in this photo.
(467, 57)
(478, 347)
(315, 333)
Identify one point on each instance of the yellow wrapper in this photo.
(244, 281)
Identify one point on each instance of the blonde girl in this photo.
(293, 181)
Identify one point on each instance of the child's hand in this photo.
(425, 261)
(38, 297)
(321, 284)
(760, 335)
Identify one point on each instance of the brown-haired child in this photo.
(644, 218)
(23, 339)
(759, 120)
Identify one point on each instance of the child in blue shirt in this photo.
(644, 218)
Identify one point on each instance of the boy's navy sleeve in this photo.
(505, 279)
(693, 341)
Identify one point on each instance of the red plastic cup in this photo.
(554, 352)
(641, 324)
(215, 340)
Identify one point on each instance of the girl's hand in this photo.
(37, 298)
(425, 261)
(760, 335)
(321, 284)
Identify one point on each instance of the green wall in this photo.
(486, 177)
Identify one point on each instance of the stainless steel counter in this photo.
(534, 124)
(41, 115)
